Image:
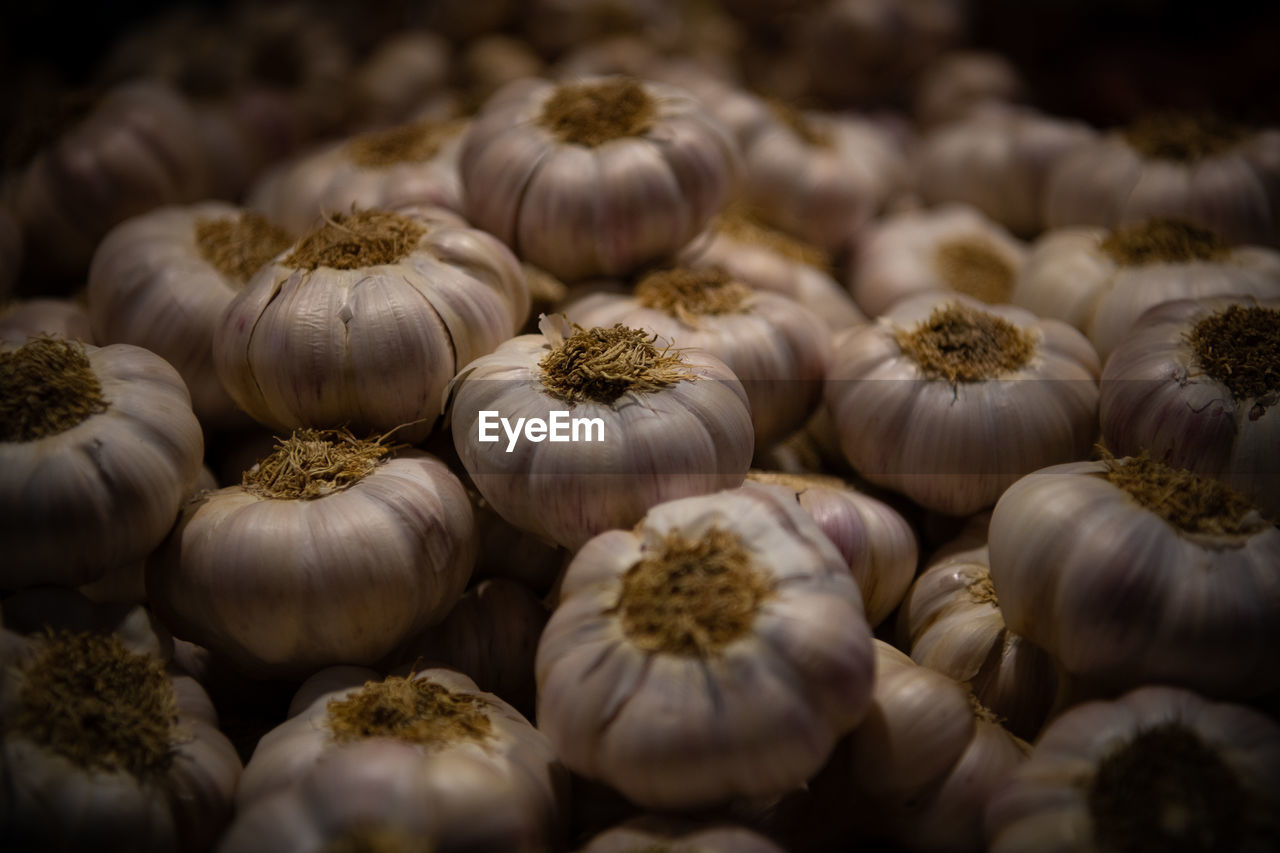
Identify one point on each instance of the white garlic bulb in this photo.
(959, 83)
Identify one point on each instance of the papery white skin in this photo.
(10, 251)
(688, 438)
(578, 211)
(1156, 396)
(1121, 596)
(1106, 182)
(49, 802)
(666, 833)
(515, 752)
(755, 719)
(373, 347)
(896, 257)
(103, 493)
(29, 318)
(1067, 276)
(955, 449)
(281, 587)
(1044, 803)
(997, 159)
(404, 70)
(959, 83)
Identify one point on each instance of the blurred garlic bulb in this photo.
(163, 280)
(554, 26)
(492, 61)
(1159, 769)
(328, 552)
(1204, 170)
(876, 542)
(595, 176)
(997, 159)
(401, 73)
(718, 650)
(949, 401)
(408, 164)
(953, 248)
(956, 84)
(1196, 383)
(1101, 281)
(366, 319)
(10, 251)
(103, 748)
(777, 347)
(654, 832)
(30, 318)
(642, 423)
(98, 446)
(1131, 572)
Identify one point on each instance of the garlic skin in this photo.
(667, 833)
(754, 714)
(1047, 805)
(29, 318)
(1068, 275)
(1156, 395)
(372, 346)
(103, 493)
(953, 248)
(962, 82)
(954, 446)
(1120, 596)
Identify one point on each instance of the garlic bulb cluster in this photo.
(366, 319)
(953, 248)
(949, 401)
(1159, 768)
(1197, 384)
(98, 446)
(596, 176)
(962, 82)
(718, 650)
(329, 552)
(31, 318)
(652, 832)
(1101, 281)
(163, 280)
(627, 422)
(1131, 572)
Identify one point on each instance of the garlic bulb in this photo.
(653, 832)
(30, 318)
(876, 542)
(777, 347)
(492, 61)
(102, 747)
(959, 83)
(631, 421)
(408, 164)
(997, 159)
(366, 319)
(402, 72)
(953, 247)
(718, 650)
(1131, 572)
(596, 176)
(554, 26)
(1196, 383)
(1206, 171)
(1101, 281)
(1159, 768)
(329, 552)
(949, 401)
(98, 447)
(163, 280)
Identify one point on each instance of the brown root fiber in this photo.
(689, 294)
(1186, 500)
(417, 142)
(962, 344)
(974, 268)
(592, 114)
(1182, 137)
(47, 386)
(741, 224)
(600, 365)
(366, 238)
(102, 707)
(415, 710)
(798, 482)
(693, 597)
(313, 463)
(1240, 348)
(238, 246)
(1163, 241)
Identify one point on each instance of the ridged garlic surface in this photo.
(716, 651)
(1130, 572)
(1101, 281)
(949, 401)
(598, 176)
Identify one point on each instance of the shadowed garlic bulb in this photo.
(957, 84)
(1101, 281)
(400, 75)
(949, 401)
(32, 318)
(10, 251)
(716, 651)
(1131, 572)
(597, 176)
(655, 833)
(1157, 769)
